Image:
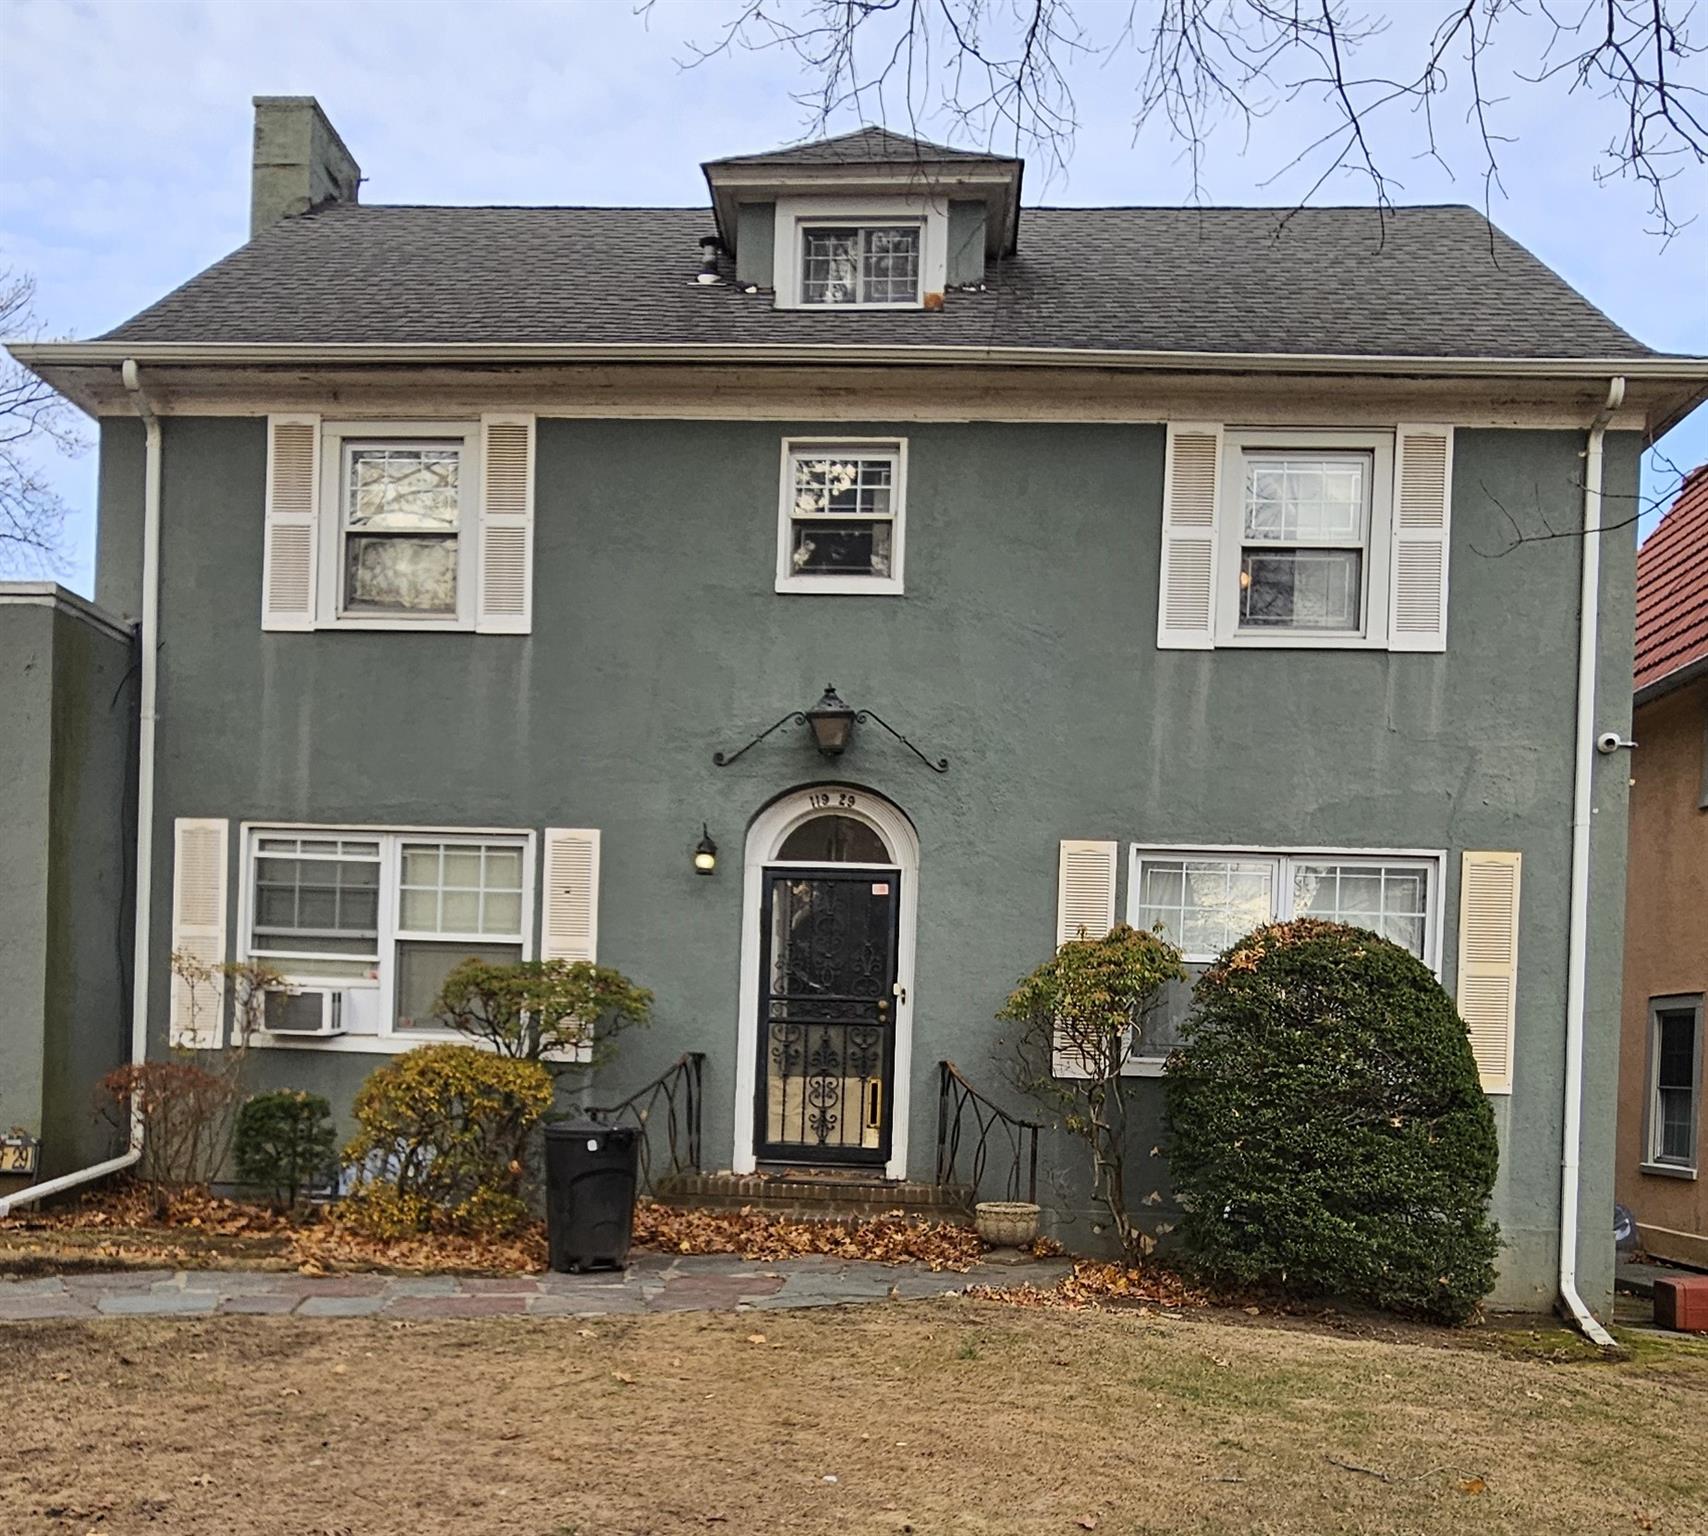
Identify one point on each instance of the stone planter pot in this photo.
(1006, 1223)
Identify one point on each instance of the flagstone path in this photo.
(651, 1283)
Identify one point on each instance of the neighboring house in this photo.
(1175, 532)
(1663, 1132)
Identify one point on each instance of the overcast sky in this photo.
(125, 141)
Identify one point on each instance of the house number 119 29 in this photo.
(820, 800)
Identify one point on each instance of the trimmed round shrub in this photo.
(442, 1141)
(284, 1143)
(1329, 1135)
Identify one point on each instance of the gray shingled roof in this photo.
(864, 146)
(1431, 282)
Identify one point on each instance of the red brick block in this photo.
(1682, 1304)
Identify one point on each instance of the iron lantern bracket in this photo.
(798, 717)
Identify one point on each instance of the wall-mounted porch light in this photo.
(831, 721)
(705, 852)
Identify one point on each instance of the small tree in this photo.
(1080, 1014)
(442, 1140)
(285, 1144)
(548, 1009)
(1329, 1135)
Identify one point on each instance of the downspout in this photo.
(1583, 785)
(144, 804)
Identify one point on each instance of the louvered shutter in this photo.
(1488, 961)
(571, 927)
(1423, 491)
(1186, 604)
(196, 1017)
(293, 501)
(506, 524)
(1085, 908)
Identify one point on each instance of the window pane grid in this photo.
(873, 264)
(314, 895)
(460, 888)
(1203, 905)
(1304, 532)
(401, 511)
(1388, 899)
(842, 514)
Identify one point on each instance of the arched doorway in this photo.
(825, 1035)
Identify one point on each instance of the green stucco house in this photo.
(455, 565)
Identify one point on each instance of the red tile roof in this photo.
(1672, 586)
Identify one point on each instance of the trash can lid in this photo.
(577, 1129)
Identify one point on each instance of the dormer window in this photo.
(865, 264)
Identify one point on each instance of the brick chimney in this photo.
(300, 162)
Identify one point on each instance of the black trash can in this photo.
(591, 1174)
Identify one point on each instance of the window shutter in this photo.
(1186, 605)
(506, 524)
(1417, 598)
(197, 1014)
(1085, 906)
(1488, 961)
(571, 926)
(293, 501)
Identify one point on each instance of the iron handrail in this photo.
(957, 1100)
(680, 1090)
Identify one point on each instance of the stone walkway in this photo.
(651, 1283)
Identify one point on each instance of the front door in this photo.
(827, 1000)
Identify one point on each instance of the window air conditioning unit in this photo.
(304, 1011)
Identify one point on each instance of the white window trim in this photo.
(1433, 861)
(1230, 530)
(831, 586)
(797, 213)
(389, 1041)
(330, 534)
(1687, 1002)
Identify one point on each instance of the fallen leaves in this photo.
(888, 1239)
(1093, 1284)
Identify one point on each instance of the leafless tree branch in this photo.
(32, 516)
(1002, 72)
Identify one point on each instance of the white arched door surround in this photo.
(770, 830)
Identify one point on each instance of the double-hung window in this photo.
(1304, 540)
(1675, 1084)
(1203, 901)
(380, 918)
(862, 264)
(840, 524)
(399, 526)
(1305, 537)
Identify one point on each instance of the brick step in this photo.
(817, 1195)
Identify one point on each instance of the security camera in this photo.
(1609, 742)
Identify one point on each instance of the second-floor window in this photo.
(399, 535)
(401, 517)
(841, 523)
(1305, 523)
(867, 264)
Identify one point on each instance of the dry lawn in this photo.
(942, 1419)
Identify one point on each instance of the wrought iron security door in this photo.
(827, 1019)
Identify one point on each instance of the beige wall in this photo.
(1666, 953)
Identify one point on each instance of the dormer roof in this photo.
(871, 160)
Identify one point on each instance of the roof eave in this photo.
(1670, 682)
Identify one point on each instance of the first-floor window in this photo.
(382, 918)
(1675, 1070)
(1203, 902)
